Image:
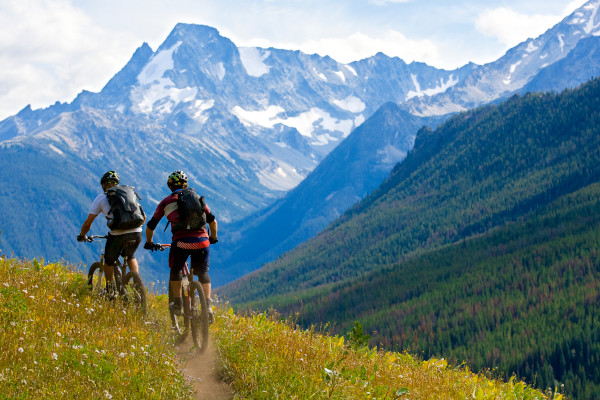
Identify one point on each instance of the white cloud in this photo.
(358, 45)
(511, 28)
(50, 51)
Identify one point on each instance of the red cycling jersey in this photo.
(168, 207)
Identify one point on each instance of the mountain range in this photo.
(247, 125)
(481, 246)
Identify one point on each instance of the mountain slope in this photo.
(520, 65)
(481, 244)
(480, 169)
(246, 124)
(581, 64)
(348, 173)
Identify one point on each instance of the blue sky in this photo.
(50, 50)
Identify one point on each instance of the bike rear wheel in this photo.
(199, 316)
(133, 288)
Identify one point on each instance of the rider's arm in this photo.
(213, 229)
(212, 223)
(149, 234)
(87, 224)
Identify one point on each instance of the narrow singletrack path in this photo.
(201, 370)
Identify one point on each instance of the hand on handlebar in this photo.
(213, 240)
(152, 246)
(82, 238)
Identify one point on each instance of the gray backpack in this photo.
(126, 212)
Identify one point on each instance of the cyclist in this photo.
(185, 243)
(119, 241)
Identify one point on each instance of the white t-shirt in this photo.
(100, 205)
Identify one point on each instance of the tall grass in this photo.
(265, 358)
(58, 342)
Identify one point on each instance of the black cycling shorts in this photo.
(125, 245)
(199, 259)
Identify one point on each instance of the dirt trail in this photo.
(201, 370)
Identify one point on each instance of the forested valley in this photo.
(481, 246)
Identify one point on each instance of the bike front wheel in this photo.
(134, 291)
(95, 278)
(198, 316)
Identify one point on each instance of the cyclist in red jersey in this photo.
(185, 243)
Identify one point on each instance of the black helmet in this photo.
(109, 177)
(177, 179)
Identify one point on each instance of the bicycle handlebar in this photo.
(92, 237)
(156, 246)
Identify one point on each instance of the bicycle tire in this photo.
(180, 324)
(135, 290)
(199, 316)
(94, 275)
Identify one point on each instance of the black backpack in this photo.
(192, 211)
(126, 212)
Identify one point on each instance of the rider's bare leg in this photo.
(176, 287)
(133, 265)
(109, 272)
(206, 288)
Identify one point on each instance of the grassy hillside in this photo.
(58, 342)
(523, 298)
(480, 245)
(272, 359)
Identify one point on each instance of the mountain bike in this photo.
(128, 284)
(195, 309)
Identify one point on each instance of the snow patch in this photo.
(158, 65)
(162, 96)
(562, 42)
(319, 75)
(351, 103)
(440, 88)
(352, 70)
(341, 75)
(544, 56)
(199, 106)
(56, 149)
(253, 61)
(359, 120)
(513, 68)
(304, 123)
(531, 47)
(266, 118)
(589, 27)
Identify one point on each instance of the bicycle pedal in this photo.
(176, 310)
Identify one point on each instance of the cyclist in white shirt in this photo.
(119, 241)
